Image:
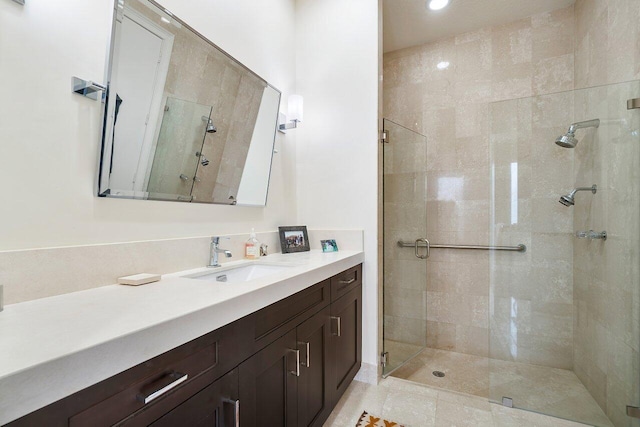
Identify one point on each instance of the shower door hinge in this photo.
(507, 401)
(384, 136)
(633, 411)
(384, 359)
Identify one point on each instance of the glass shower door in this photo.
(404, 265)
(565, 316)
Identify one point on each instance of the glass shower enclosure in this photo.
(565, 316)
(405, 265)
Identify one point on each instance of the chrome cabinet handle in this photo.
(337, 318)
(307, 361)
(236, 410)
(347, 282)
(417, 245)
(160, 387)
(297, 371)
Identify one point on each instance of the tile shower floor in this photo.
(552, 391)
(417, 405)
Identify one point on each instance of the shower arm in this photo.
(593, 189)
(586, 124)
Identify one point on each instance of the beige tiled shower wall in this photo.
(452, 108)
(607, 42)
(532, 292)
(606, 275)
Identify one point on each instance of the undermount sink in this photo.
(241, 273)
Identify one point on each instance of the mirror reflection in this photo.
(184, 121)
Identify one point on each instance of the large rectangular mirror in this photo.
(184, 121)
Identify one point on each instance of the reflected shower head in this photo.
(210, 126)
(569, 199)
(568, 140)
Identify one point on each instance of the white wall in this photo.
(49, 137)
(337, 73)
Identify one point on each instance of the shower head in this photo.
(210, 126)
(568, 140)
(568, 199)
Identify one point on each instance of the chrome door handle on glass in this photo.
(417, 246)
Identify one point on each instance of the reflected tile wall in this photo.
(198, 72)
(607, 280)
(452, 107)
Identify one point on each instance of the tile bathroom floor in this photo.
(418, 405)
(552, 391)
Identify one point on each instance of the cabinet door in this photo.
(314, 392)
(268, 385)
(346, 340)
(215, 406)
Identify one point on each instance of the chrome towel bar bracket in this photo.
(88, 88)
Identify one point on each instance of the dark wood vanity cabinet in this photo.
(217, 405)
(287, 364)
(315, 400)
(269, 386)
(346, 345)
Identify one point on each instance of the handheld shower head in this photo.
(568, 140)
(569, 199)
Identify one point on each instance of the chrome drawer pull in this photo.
(337, 318)
(236, 410)
(347, 282)
(176, 378)
(297, 371)
(307, 361)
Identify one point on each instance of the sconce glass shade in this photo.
(295, 108)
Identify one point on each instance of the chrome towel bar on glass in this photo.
(422, 244)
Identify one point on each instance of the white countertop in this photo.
(53, 347)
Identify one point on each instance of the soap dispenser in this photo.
(252, 247)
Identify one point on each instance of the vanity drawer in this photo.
(344, 282)
(273, 321)
(165, 381)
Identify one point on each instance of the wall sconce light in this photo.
(295, 114)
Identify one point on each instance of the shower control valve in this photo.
(591, 235)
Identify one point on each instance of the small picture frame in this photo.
(294, 239)
(329, 245)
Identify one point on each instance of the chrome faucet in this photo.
(215, 250)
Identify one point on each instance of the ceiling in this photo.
(411, 23)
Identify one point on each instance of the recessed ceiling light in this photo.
(443, 65)
(438, 4)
